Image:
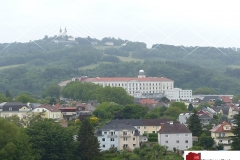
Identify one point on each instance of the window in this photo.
(134, 145)
(112, 139)
(105, 132)
(186, 135)
(186, 147)
(103, 146)
(186, 141)
(178, 135)
(124, 133)
(124, 139)
(138, 127)
(133, 139)
(166, 135)
(220, 140)
(145, 127)
(125, 145)
(10, 108)
(112, 145)
(177, 141)
(153, 132)
(103, 139)
(166, 141)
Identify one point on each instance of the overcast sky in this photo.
(177, 22)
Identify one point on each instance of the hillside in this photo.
(31, 68)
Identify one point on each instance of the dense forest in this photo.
(33, 66)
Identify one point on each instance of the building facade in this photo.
(49, 112)
(140, 86)
(118, 135)
(175, 135)
(9, 109)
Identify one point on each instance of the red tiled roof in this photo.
(234, 108)
(226, 99)
(68, 108)
(219, 128)
(148, 101)
(124, 79)
(57, 106)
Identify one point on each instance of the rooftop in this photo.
(173, 128)
(124, 79)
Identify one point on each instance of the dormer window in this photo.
(10, 108)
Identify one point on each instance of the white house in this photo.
(50, 111)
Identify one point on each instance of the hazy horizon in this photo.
(184, 23)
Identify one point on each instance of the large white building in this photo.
(141, 85)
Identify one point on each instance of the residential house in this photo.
(211, 99)
(83, 114)
(69, 113)
(8, 109)
(137, 123)
(152, 125)
(227, 100)
(183, 117)
(118, 135)
(226, 110)
(150, 103)
(205, 119)
(175, 135)
(235, 110)
(222, 134)
(109, 43)
(50, 111)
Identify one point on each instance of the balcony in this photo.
(225, 143)
(112, 136)
(125, 135)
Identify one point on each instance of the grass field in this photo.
(11, 66)
(92, 66)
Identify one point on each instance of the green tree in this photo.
(134, 111)
(194, 124)
(190, 107)
(51, 140)
(52, 91)
(218, 102)
(236, 98)
(206, 142)
(235, 145)
(204, 91)
(173, 112)
(165, 100)
(88, 145)
(14, 143)
(179, 105)
(24, 98)
(3, 98)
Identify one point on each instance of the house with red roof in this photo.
(227, 100)
(150, 103)
(222, 134)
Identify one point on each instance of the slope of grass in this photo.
(11, 66)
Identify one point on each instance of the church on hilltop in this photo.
(63, 37)
(141, 86)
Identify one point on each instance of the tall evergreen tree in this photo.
(190, 107)
(236, 131)
(194, 124)
(88, 148)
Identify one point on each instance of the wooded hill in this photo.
(33, 66)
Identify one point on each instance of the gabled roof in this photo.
(154, 122)
(207, 98)
(15, 106)
(220, 128)
(226, 99)
(134, 122)
(118, 127)
(204, 116)
(174, 128)
(148, 101)
(48, 107)
(224, 109)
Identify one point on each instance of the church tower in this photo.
(60, 31)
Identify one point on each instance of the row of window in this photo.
(178, 135)
(177, 141)
(113, 139)
(134, 84)
(124, 145)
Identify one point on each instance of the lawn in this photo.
(234, 66)
(104, 47)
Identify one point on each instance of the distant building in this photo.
(109, 43)
(140, 86)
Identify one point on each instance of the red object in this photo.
(193, 156)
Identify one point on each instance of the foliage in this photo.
(14, 143)
(25, 98)
(52, 91)
(88, 145)
(112, 59)
(236, 131)
(93, 120)
(236, 98)
(223, 118)
(175, 109)
(51, 140)
(190, 107)
(165, 100)
(134, 111)
(206, 142)
(218, 102)
(90, 91)
(194, 124)
(195, 148)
